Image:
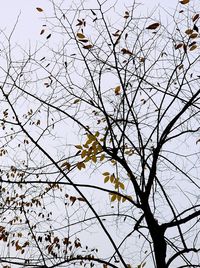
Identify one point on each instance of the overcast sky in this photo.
(30, 21)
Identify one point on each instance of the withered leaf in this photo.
(153, 26)
(48, 36)
(88, 46)
(39, 9)
(196, 16)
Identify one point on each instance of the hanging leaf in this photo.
(79, 147)
(193, 47)
(80, 35)
(184, 2)
(126, 16)
(196, 16)
(93, 13)
(178, 46)
(48, 36)
(189, 31)
(113, 198)
(117, 90)
(42, 31)
(88, 46)
(194, 35)
(126, 51)
(153, 26)
(72, 199)
(66, 165)
(39, 9)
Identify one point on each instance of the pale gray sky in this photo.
(30, 20)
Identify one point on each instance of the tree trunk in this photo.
(157, 235)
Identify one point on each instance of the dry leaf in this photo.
(117, 90)
(42, 31)
(80, 35)
(39, 9)
(48, 36)
(189, 31)
(153, 26)
(126, 51)
(183, 2)
(194, 35)
(88, 46)
(178, 46)
(195, 17)
(193, 47)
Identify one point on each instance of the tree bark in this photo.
(157, 235)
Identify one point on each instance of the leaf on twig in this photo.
(196, 16)
(126, 51)
(153, 26)
(117, 90)
(42, 31)
(184, 2)
(80, 35)
(48, 36)
(88, 46)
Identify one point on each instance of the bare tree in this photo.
(100, 139)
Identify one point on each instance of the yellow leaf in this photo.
(106, 179)
(124, 199)
(183, 2)
(113, 198)
(102, 157)
(193, 47)
(94, 158)
(80, 35)
(121, 185)
(106, 173)
(117, 90)
(78, 147)
(112, 178)
(83, 154)
(76, 101)
(119, 197)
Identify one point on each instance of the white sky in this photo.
(30, 21)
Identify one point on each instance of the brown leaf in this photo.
(48, 36)
(88, 46)
(178, 46)
(189, 31)
(42, 31)
(194, 35)
(80, 35)
(153, 26)
(39, 9)
(184, 2)
(126, 51)
(117, 90)
(72, 199)
(196, 16)
(193, 47)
